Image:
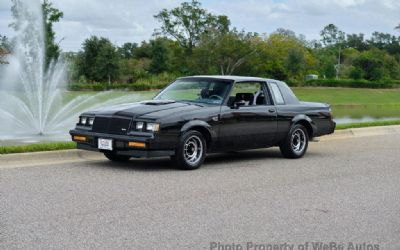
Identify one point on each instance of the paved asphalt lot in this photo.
(344, 190)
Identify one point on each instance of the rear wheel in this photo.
(112, 156)
(191, 151)
(296, 142)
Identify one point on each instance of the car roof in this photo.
(229, 77)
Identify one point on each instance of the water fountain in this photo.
(33, 106)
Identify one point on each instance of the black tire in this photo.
(112, 156)
(296, 142)
(195, 146)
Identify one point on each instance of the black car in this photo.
(197, 115)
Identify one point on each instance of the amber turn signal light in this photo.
(136, 144)
(79, 138)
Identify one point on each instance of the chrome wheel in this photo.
(298, 141)
(193, 150)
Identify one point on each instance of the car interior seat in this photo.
(247, 97)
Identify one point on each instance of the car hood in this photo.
(152, 109)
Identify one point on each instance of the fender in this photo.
(199, 123)
(302, 117)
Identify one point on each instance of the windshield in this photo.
(196, 90)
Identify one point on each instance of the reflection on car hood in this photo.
(150, 109)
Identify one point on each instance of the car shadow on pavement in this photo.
(245, 156)
(212, 160)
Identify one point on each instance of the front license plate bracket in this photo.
(105, 144)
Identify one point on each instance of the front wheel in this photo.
(191, 151)
(296, 142)
(112, 156)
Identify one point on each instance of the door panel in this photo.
(250, 126)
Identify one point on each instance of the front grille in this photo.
(111, 125)
(100, 124)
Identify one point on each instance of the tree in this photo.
(5, 43)
(278, 51)
(99, 60)
(143, 51)
(371, 63)
(187, 23)
(356, 73)
(4, 49)
(222, 53)
(285, 32)
(295, 62)
(159, 56)
(127, 50)
(3, 54)
(356, 41)
(385, 41)
(380, 40)
(50, 15)
(332, 36)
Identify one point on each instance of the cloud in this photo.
(132, 20)
(310, 16)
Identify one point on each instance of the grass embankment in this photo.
(51, 146)
(367, 124)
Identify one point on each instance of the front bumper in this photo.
(121, 144)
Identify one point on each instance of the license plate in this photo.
(105, 144)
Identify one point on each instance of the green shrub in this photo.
(356, 73)
(351, 83)
(152, 82)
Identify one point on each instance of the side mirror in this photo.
(238, 104)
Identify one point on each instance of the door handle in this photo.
(271, 110)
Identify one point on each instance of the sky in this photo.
(132, 20)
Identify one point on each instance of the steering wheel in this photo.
(215, 97)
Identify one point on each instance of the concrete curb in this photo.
(47, 158)
(74, 155)
(361, 132)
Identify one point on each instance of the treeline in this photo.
(192, 41)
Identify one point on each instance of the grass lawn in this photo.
(356, 103)
(341, 96)
(51, 146)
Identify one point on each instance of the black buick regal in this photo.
(197, 115)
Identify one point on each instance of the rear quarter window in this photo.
(277, 94)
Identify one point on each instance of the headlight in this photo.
(83, 120)
(86, 121)
(139, 125)
(154, 127)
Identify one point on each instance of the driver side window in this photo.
(250, 93)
